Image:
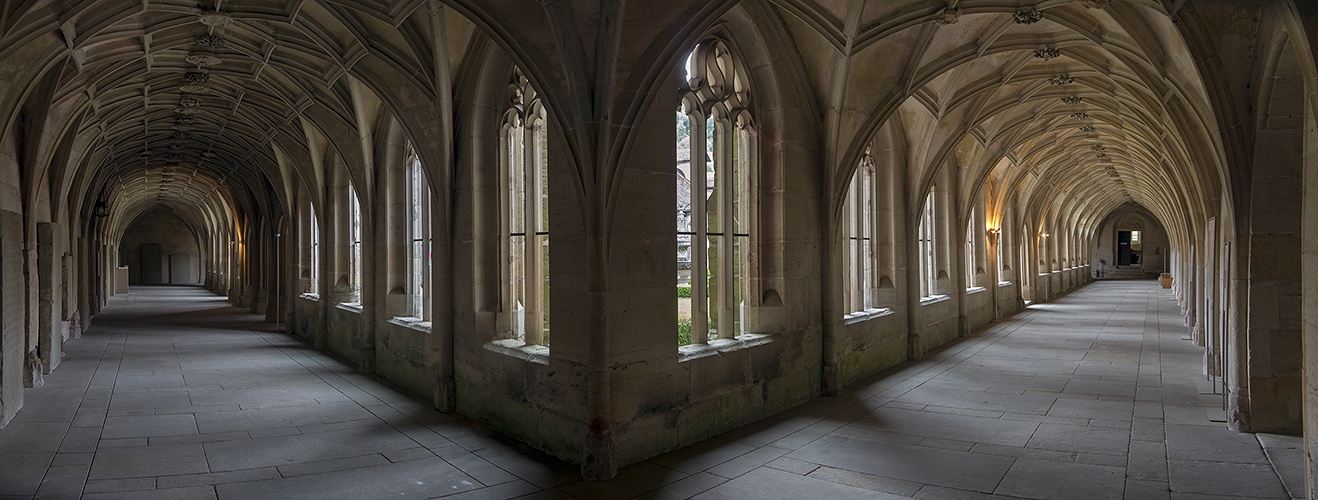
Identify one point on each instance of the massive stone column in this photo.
(395, 239)
(1273, 342)
(340, 235)
(12, 317)
(49, 275)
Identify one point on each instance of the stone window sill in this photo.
(310, 296)
(975, 289)
(1003, 283)
(411, 323)
(933, 299)
(353, 307)
(719, 346)
(533, 353)
(866, 315)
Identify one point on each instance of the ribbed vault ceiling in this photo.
(186, 98)
(1086, 101)
(1075, 106)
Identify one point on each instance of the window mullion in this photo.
(517, 225)
(858, 227)
(700, 241)
(848, 250)
(858, 244)
(531, 256)
(871, 185)
(727, 228)
(427, 275)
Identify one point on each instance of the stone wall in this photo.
(872, 343)
(979, 308)
(938, 322)
(1157, 246)
(160, 226)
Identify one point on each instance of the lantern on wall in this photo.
(101, 209)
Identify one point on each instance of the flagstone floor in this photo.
(172, 394)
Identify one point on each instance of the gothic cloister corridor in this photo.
(176, 394)
(623, 248)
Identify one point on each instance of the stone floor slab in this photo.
(286, 450)
(1045, 480)
(415, 479)
(148, 426)
(21, 473)
(1225, 478)
(772, 484)
(1079, 439)
(32, 437)
(147, 461)
(1218, 444)
(973, 471)
(958, 427)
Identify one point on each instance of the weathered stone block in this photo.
(719, 413)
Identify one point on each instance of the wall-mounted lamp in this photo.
(1045, 235)
(101, 209)
(993, 231)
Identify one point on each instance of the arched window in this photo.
(524, 172)
(1003, 239)
(716, 160)
(355, 241)
(928, 257)
(418, 214)
(972, 251)
(313, 274)
(858, 220)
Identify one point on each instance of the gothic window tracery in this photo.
(418, 235)
(524, 173)
(860, 222)
(716, 151)
(928, 248)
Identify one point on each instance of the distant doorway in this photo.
(1130, 248)
(151, 264)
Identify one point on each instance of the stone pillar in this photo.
(12, 317)
(85, 279)
(370, 284)
(982, 260)
(890, 200)
(946, 239)
(1309, 252)
(340, 232)
(831, 281)
(1309, 266)
(395, 238)
(1274, 347)
(914, 344)
(50, 250)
